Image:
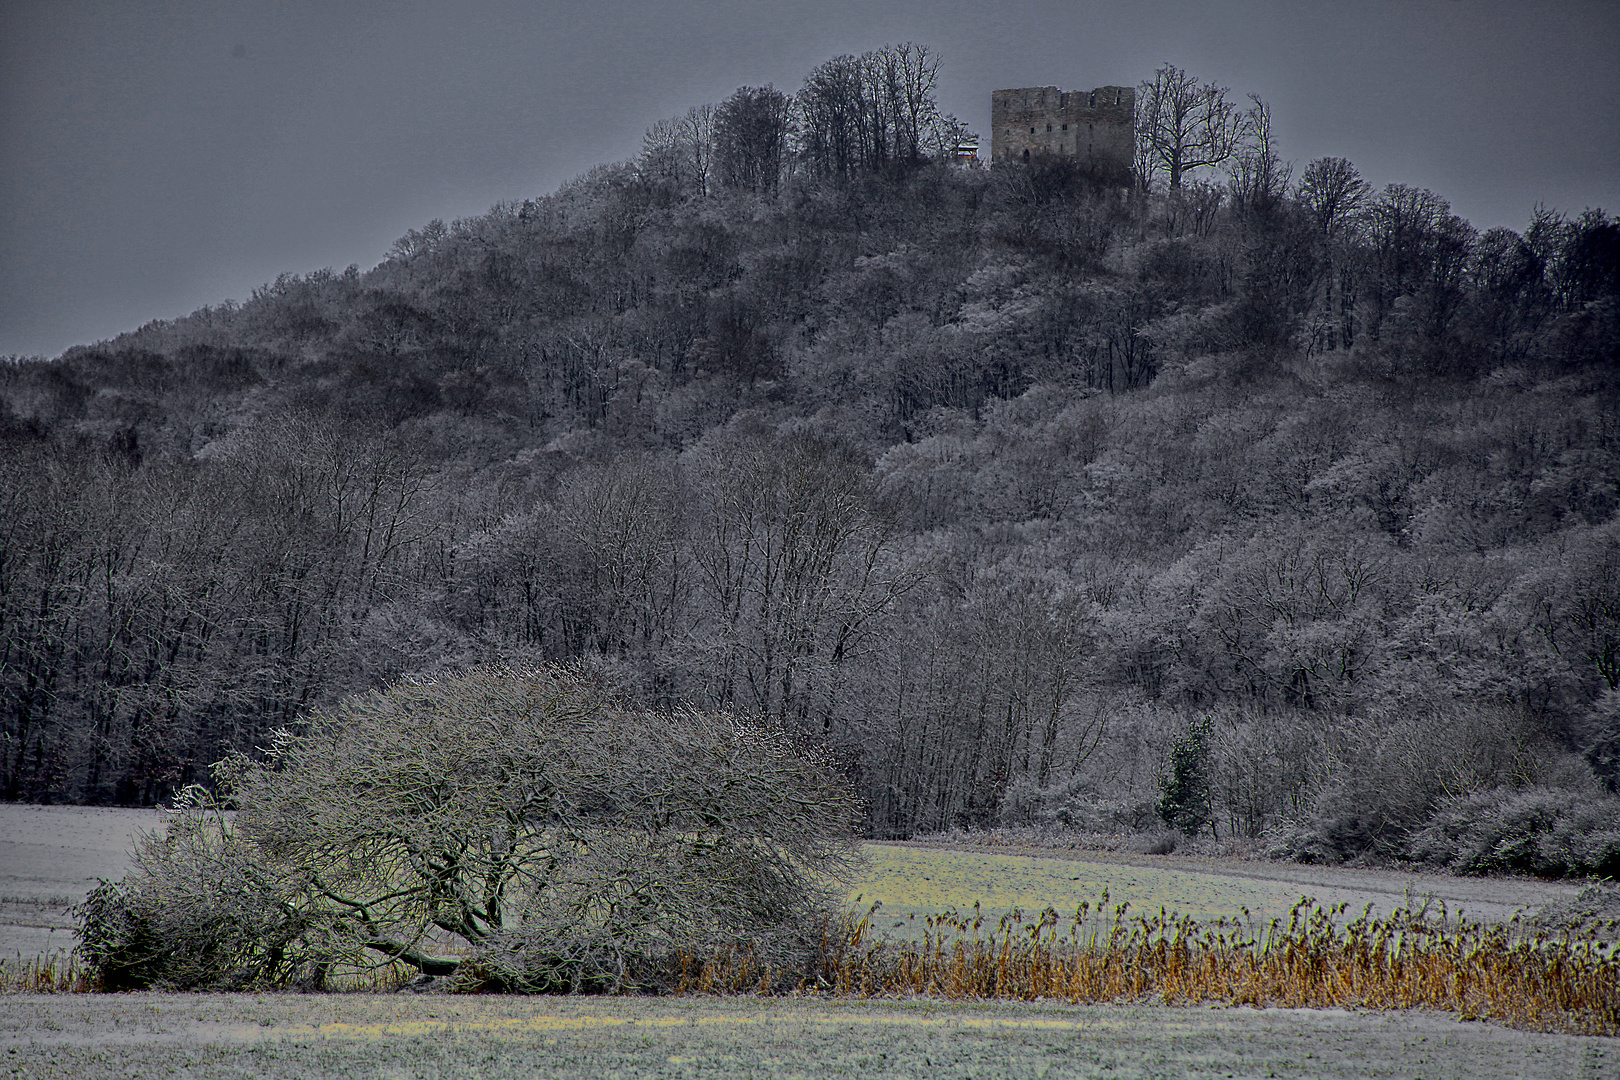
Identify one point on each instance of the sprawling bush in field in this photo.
(519, 828)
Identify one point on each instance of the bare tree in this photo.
(833, 125)
(1259, 175)
(1419, 256)
(1183, 124)
(906, 75)
(751, 131)
(660, 152)
(789, 557)
(680, 151)
(695, 131)
(1335, 195)
(1334, 192)
(615, 543)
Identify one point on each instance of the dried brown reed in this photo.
(54, 973)
(1414, 958)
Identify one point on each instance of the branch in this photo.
(427, 965)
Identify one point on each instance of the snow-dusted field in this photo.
(351, 1036)
(50, 857)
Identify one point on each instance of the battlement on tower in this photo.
(1095, 128)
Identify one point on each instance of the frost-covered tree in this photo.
(518, 827)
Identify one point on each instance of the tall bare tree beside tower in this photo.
(1183, 124)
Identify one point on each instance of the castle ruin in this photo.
(1095, 128)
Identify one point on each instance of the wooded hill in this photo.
(997, 482)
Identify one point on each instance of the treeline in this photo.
(994, 481)
(873, 113)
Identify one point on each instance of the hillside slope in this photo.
(992, 480)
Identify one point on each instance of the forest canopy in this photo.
(993, 482)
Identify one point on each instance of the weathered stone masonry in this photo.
(1095, 127)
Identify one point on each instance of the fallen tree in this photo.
(519, 829)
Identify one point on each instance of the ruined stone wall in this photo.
(1095, 127)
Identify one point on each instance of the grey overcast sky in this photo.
(156, 157)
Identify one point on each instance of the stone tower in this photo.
(1097, 127)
